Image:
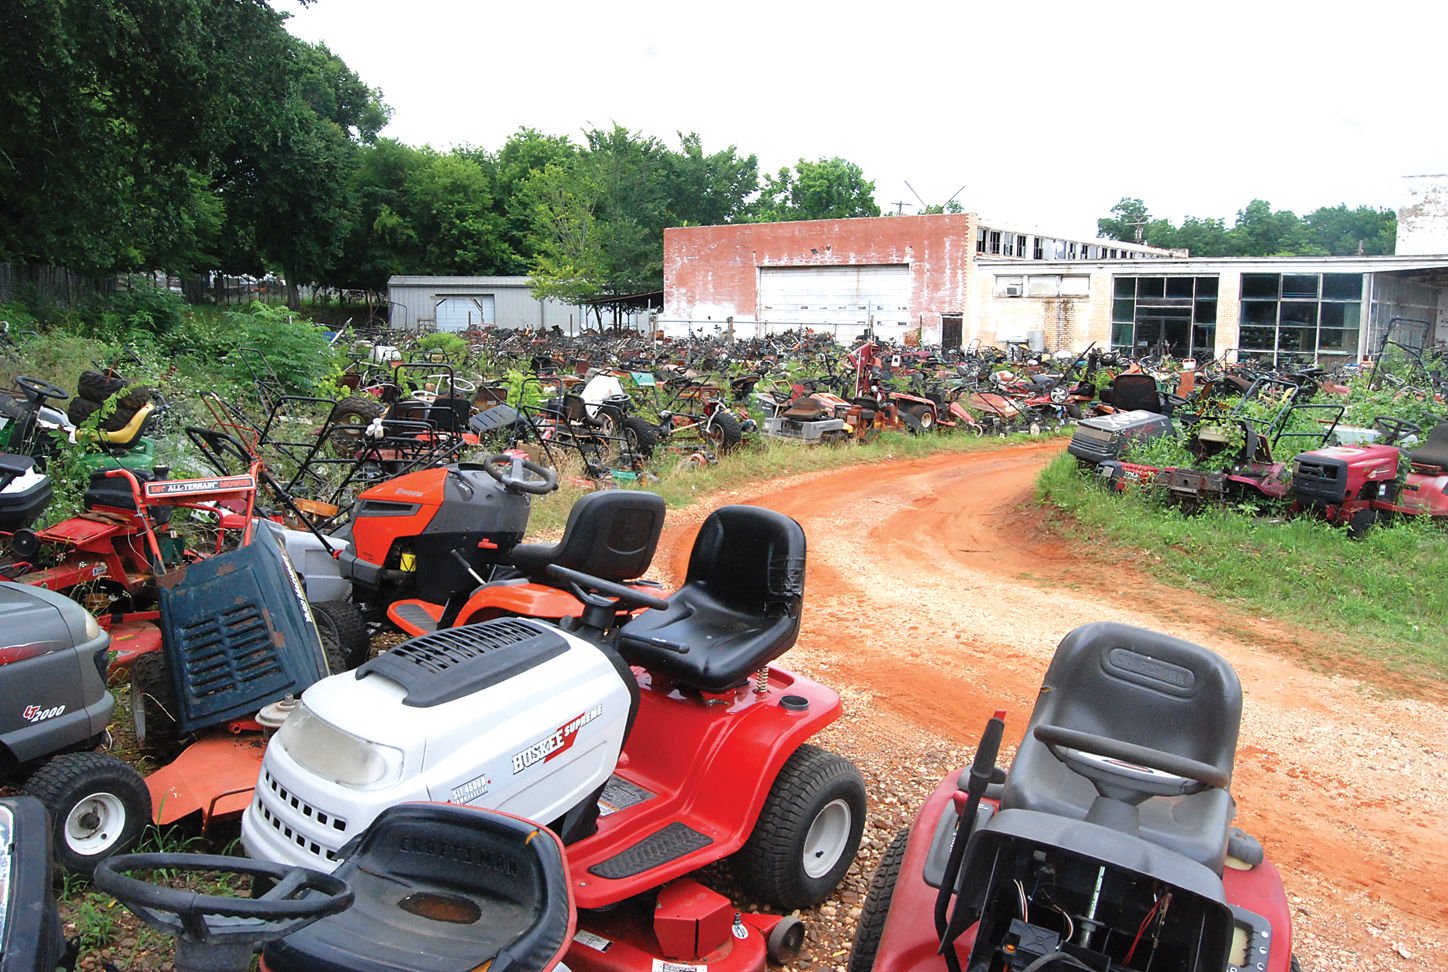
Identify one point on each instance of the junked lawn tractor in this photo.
(1356, 485)
(650, 748)
(1108, 846)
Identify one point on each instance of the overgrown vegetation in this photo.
(1379, 596)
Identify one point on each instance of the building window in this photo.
(980, 240)
(995, 242)
(1174, 315)
(1300, 318)
(1038, 250)
(1009, 286)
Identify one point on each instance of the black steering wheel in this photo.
(1393, 429)
(620, 594)
(510, 472)
(1125, 767)
(35, 389)
(211, 928)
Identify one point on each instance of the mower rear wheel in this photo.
(724, 432)
(911, 423)
(1294, 966)
(877, 905)
(640, 436)
(923, 415)
(153, 707)
(1361, 522)
(343, 629)
(808, 832)
(98, 807)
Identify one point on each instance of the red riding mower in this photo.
(651, 749)
(1354, 485)
(1107, 847)
(112, 555)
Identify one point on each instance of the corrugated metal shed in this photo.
(452, 303)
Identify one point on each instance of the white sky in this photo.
(1046, 112)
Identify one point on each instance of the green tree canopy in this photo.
(1259, 230)
(825, 189)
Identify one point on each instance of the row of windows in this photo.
(991, 242)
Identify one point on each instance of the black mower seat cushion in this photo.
(1434, 452)
(610, 534)
(804, 410)
(1135, 391)
(739, 608)
(442, 888)
(1144, 688)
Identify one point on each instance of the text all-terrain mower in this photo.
(1109, 844)
(650, 750)
(1355, 485)
(54, 710)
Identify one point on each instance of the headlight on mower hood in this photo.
(323, 749)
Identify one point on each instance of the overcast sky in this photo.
(1046, 113)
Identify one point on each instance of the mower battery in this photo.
(1105, 437)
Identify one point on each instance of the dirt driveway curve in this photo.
(932, 599)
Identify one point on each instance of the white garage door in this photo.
(461, 313)
(835, 295)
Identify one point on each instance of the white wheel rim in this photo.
(95, 824)
(827, 837)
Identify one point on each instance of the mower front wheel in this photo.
(724, 432)
(1361, 522)
(98, 807)
(808, 832)
(640, 436)
(153, 707)
(343, 629)
(877, 905)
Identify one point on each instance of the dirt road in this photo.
(933, 598)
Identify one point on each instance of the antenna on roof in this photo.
(916, 194)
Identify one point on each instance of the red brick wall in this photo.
(712, 271)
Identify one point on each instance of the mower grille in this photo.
(302, 807)
(1320, 478)
(232, 646)
(445, 665)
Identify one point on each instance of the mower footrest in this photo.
(415, 617)
(660, 847)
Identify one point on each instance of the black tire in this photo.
(877, 905)
(153, 707)
(343, 629)
(1294, 966)
(640, 436)
(1073, 410)
(98, 806)
(808, 832)
(98, 385)
(1361, 522)
(911, 423)
(353, 410)
(923, 415)
(724, 432)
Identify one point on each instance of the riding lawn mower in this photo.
(1107, 847)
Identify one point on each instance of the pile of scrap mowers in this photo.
(536, 775)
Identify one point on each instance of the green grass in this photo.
(761, 459)
(1379, 597)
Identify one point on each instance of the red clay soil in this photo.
(933, 598)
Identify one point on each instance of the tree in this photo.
(1346, 232)
(826, 189)
(526, 152)
(707, 190)
(1128, 221)
(568, 258)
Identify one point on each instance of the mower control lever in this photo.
(218, 932)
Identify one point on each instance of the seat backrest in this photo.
(749, 559)
(1135, 391)
(1141, 687)
(574, 408)
(610, 534)
(1434, 452)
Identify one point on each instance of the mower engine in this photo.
(1342, 474)
(408, 533)
(509, 714)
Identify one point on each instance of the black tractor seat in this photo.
(442, 888)
(1145, 688)
(739, 608)
(1432, 454)
(611, 534)
(804, 410)
(1130, 392)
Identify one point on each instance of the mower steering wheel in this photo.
(621, 594)
(212, 923)
(543, 480)
(1119, 765)
(36, 389)
(1393, 429)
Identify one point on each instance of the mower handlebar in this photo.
(1056, 738)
